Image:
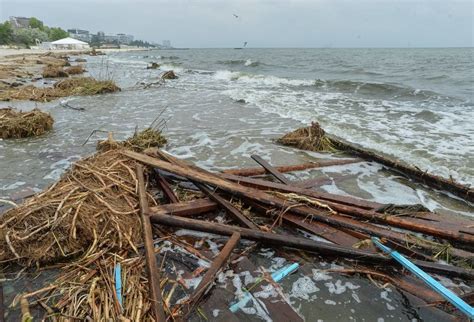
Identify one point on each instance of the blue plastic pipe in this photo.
(276, 276)
(118, 283)
(434, 284)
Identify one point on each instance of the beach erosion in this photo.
(226, 106)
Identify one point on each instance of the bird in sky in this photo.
(235, 15)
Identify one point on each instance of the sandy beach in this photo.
(4, 52)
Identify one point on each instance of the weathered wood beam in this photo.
(211, 274)
(184, 209)
(166, 188)
(153, 271)
(248, 172)
(270, 169)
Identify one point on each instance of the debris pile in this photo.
(153, 65)
(312, 138)
(75, 70)
(19, 124)
(68, 87)
(113, 226)
(54, 72)
(169, 75)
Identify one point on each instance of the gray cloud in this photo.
(277, 23)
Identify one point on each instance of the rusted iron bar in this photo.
(211, 274)
(165, 187)
(268, 185)
(205, 177)
(228, 207)
(437, 182)
(248, 172)
(301, 243)
(184, 209)
(270, 169)
(153, 271)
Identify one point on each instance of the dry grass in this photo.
(54, 72)
(75, 70)
(79, 86)
(312, 138)
(140, 141)
(18, 124)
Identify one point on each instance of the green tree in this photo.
(36, 23)
(29, 37)
(6, 33)
(57, 33)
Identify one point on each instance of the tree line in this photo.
(28, 36)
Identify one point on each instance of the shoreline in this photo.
(12, 52)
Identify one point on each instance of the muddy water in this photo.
(207, 124)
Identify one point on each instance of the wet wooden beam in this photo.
(279, 240)
(227, 206)
(184, 209)
(248, 172)
(268, 185)
(211, 274)
(437, 182)
(270, 169)
(166, 188)
(153, 271)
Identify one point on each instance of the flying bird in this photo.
(235, 15)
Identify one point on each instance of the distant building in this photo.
(111, 38)
(19, 22)
(167, 43)
(65, 43)
(80, 34)
(100, 35)
(124, 39)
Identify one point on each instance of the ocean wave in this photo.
(376, 89)
(256, 79)
(240, 62)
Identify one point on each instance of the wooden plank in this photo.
(184, 209)
(211, 274)
(274, 172)
(228, 207)
(301, 243)
(248, 172)
(153, 271)
(268, 185)
(165, 187)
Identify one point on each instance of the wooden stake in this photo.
(153, 271)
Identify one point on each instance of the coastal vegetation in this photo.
(36, 31)
(19, 124)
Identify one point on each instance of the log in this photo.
(211, 274)
(248, 172)
(268, 185)
(301, 243)
(228, 207)
(184, 209)
(165, 187)
(434, 181)
(153, 271)
(268, 168)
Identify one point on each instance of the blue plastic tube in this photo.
(434, 284)
(276, 276)
(118, 283)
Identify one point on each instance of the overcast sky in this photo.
(265, 23)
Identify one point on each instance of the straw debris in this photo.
(75, 70)
(18, 124)
(312, 138)
(79, 86)
(148, 138)
(54, 72)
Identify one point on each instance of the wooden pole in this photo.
(165, 187)
(211, 273)
(153, 271)
(274, 172)
(248, 172)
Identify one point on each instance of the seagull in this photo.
(235, 15)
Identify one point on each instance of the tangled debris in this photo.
(169, 75)
(18, 124)
(75, 70)
(312, 138)
(153, 65)
(140, 141)
(68, 87)
(54, 72)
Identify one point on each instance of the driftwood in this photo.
(153, 271)
(434, 181)
(211, 274)
(248, 172)
(165, 187)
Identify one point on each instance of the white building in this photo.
(67, 43)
